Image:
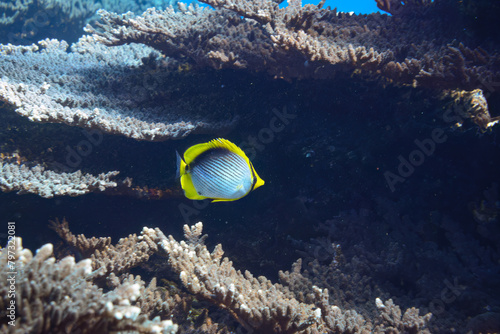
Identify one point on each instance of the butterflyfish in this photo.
(217, 170)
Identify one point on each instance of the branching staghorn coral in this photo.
(26, 21)
(87, 246)
(112, 90)
(107, 258)
(256, 303)
(310, 41)
(13, 9)
(58, 296)
(409, 322)
(128, 253)
(73, 9)
(469, 105)
(154, 300)
(262, 306)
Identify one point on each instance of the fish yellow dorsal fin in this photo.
(224, 143)
(194, 151)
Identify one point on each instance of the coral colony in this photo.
(376, 135)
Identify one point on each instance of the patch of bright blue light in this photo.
(356, 6)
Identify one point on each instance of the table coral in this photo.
(96, 87)
(415, 47)
(47, 183)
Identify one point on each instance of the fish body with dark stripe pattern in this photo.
(217, 170)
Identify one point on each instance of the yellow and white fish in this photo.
(217, 170)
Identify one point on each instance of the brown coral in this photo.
(85, 245)
(256, 303)
(259, 305)
(52, 296)
(107, 258)
(310, 41)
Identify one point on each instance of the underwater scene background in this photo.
(376, 134)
